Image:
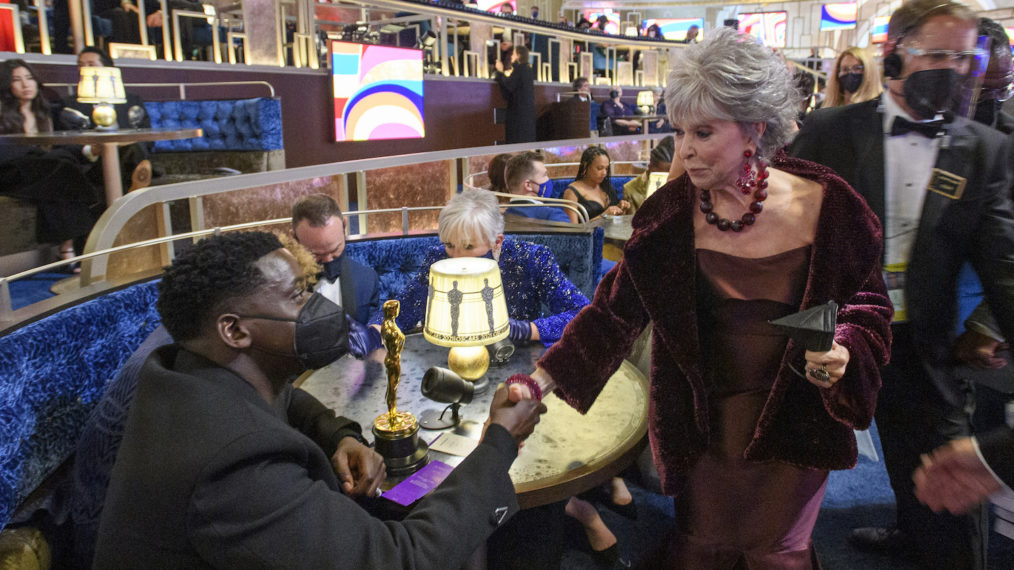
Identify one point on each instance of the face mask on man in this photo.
(322, 332)
(931, 91)
(850, 82)
(545, 189)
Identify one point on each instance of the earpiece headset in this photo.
(892, 63)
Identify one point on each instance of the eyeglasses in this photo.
(948, 56)
(854, 69)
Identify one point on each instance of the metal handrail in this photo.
(6, 306)
(126, 207)
(582, 213)
(182, 86)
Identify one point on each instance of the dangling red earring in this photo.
(748, 178)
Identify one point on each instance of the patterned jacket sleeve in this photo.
(556, 292)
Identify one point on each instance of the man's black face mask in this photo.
(931, 91)
(321, 335)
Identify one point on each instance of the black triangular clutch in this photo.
(813, 328)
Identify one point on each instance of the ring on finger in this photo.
(820, 374)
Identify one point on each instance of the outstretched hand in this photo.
(953, 478)
(360, 468)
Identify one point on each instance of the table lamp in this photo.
(645, 101)
(103, 87)
(466, 310)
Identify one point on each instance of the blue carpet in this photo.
(854, 498)
(33, 289)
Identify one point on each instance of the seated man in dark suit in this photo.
(224, 463)
(318, 225)
(135, 167)
(101, 437)
(527, 179)
(614, 108)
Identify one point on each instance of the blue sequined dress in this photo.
(531, 279)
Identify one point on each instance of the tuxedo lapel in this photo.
(348, 287)
(868, 128)
(954, 157)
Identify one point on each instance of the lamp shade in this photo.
(645, 99)
(100, 85)
(466, 304)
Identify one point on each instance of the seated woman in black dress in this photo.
(50, 178)
(592, 188)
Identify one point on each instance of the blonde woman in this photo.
(854, 79)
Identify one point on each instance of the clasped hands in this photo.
(824, 369)
(360, 468)
(618, 210)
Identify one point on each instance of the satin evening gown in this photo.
(736, 513)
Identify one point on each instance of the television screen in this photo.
(879, 33)
(496, 6)
(378, 92)
(612, 26)
(767, 27)
(1010, 34)
(841, 16)
(676, 28)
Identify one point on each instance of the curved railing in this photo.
(102, 242)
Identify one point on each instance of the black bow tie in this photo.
(902, 126)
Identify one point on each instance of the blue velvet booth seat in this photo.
(55, 370)
(243, 134)
(560, 184)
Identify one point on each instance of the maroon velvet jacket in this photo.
(801, 424)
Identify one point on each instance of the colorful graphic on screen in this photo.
(841, 16)
(879, 33)
(768, 27)
(378, 92)
(676, 28)
(612, 26)
(496, 6)
(1010, 34)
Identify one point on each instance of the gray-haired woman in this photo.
(471, 225)
(743, 443)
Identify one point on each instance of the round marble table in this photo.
(569, 453)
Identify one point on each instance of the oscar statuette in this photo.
(397, 433)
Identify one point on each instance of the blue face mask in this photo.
(545, 189)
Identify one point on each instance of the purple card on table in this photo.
(419, 483)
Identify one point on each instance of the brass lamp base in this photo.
(399, 444)
(471, 363)
(104, 116)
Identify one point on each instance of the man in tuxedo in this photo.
(940, 187)
(318, 224)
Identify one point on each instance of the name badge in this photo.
(946, 184)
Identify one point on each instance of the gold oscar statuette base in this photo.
(469, 362)
(399, 444)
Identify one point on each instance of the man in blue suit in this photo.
(527, 179)
(318, 225)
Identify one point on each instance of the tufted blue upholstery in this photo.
(560, 184)
(52, 372)
(239, 124)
